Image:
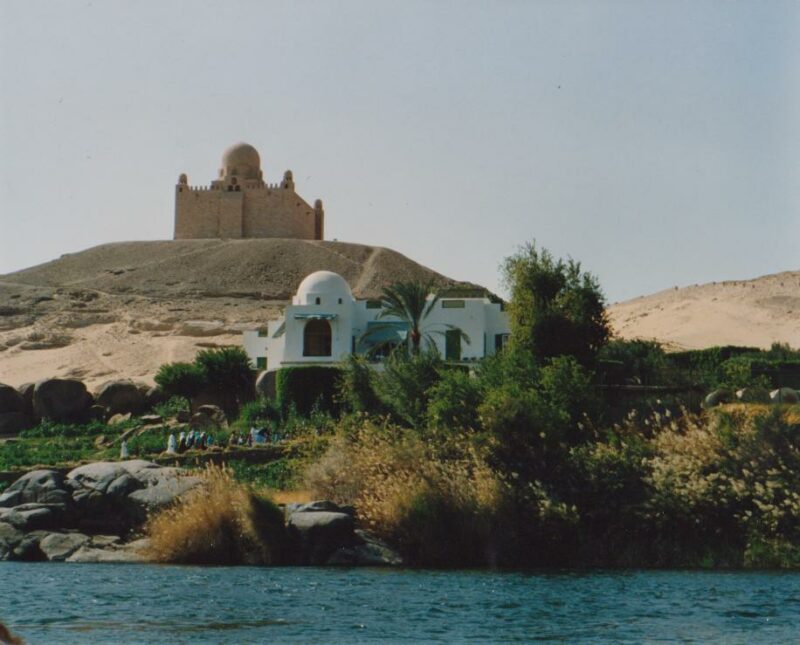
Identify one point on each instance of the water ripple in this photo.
(145, 604)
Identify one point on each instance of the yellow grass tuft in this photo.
(220, 522)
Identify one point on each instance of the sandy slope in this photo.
(124, 309)
(121, 310)
(750, 312)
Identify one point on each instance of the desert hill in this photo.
(123, 309)
(753, 313)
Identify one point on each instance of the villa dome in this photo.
(241, 160)
(325, 285)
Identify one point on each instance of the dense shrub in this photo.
(556, 308)
(180, 379)
(259, 413)
(441, 502)
(405, 386)
(220, 522)
(453, 401)
(641, 362)
(228, 373)
(307, 388)
(356, 388)
(223, 376)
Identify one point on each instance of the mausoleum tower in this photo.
(239, 204)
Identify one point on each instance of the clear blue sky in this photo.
(657, 142)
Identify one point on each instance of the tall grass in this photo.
(439, 502)
(220, 522)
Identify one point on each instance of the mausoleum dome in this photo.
(241, 160)
(328, 286)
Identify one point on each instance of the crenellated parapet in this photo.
(240, 204)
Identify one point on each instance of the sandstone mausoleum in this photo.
(240, 204)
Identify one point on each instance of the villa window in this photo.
(317, 338)
(452, 344)
(453, 304)
(317, 301)
(261, 362)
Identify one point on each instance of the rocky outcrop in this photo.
(208, 417)
(85, 515)
(365, 551)
(154, 396)
(13, 415)
(26, 392)
(14, 422)
(61, 400)
(37, 486)
(59, 546)
(97, 499)
(717, 397)
(10, 399)
(324, 533)
(120, 397)
(785, 395)
(265, 385)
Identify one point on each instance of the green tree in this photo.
(454, 401)
(180, 379)
(228, 376)
(556, 309)
(409, 302)
(404, 387)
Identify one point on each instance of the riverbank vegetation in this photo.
(221, 522)
(567, 448)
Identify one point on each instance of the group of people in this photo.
(188, 441)
(255, 436)
(203, 440)
(236, 439)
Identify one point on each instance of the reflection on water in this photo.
(63, 603)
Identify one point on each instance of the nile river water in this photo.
(84, 603)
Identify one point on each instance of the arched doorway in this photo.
(317, 338)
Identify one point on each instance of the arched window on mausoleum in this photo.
(317, 338)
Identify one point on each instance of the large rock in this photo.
(13, 414)
(61, 400)
(102, 478)
(120, 397)
(717, 397)
(26, 392)
(32, 517)
(265, 385)
(131, 552)
(318, 534)
(367, 551)
(10, 399)
(100, 493)
(27, 550)
(209, 417)
(10, 537)
(38, 486)
(752, 395)
(154, 396)
(58, 547)
(785, 395)
(14, 422)
(162, 485)
(318, 505)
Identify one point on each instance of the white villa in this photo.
(325, 324)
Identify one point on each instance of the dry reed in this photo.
(219, 522)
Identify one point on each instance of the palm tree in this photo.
(409, 302)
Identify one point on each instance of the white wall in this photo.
(480, 319)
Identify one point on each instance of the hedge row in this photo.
(307, 388)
